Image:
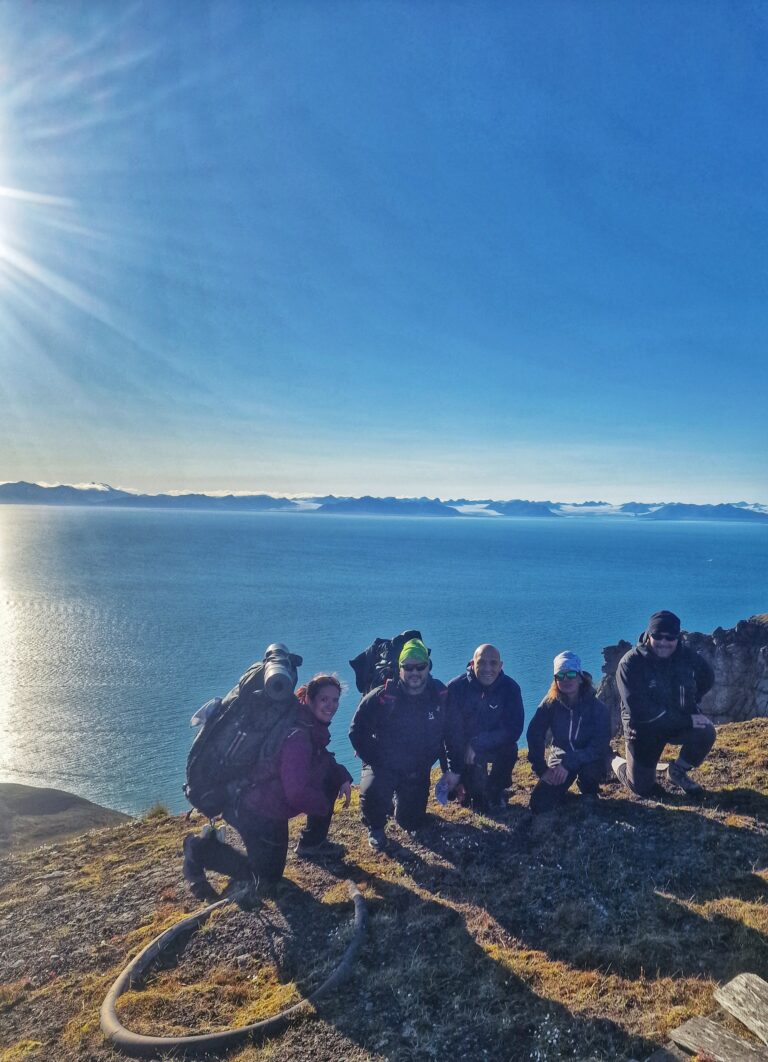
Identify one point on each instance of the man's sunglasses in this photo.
(567, 674)
(414, 667)
(664, 637)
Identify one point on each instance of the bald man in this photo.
(489, 705)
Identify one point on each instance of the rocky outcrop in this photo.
(739, 656)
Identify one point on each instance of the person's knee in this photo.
(641, 783)
(411, 805)
(710, 735)
(410, 820)
(698, 744)
(590, 776)
(546, 797)
(376, 788)
(375, 801)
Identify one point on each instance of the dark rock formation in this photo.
(740, 659)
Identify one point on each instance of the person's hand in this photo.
(345, 792)
(555, 775)
(470, 755)
(700, 721)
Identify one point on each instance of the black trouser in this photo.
(379, 786)
(647, 743)
(266, 846)
(316, 829)
(484, 785)
(547, 797)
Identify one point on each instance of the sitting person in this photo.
(304, 778)
(580, 728)
(489, 707)
(398, 731)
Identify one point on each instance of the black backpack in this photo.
(378, 662)
(245, 728)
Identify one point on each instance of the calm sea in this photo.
(116, 626)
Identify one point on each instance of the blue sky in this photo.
(486, 249)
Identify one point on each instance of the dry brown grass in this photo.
(586, 936)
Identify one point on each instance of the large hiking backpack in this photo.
(239, 731)
(378, 662)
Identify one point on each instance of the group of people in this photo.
(403, 727)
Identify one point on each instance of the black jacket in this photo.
(487, 717)
(394, 730)
(661, 692)
(580, 734)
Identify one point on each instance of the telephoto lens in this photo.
(280, 672)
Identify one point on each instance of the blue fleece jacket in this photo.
(580, 734)
(488, 716)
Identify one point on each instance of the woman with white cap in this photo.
(579, 725)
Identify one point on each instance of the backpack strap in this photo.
(388, 695)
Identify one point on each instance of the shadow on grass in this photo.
(425, 988)
(741, 801)
(615, 889)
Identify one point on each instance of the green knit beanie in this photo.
(416, 650)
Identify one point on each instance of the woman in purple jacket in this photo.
(579, 726)
(304, 778)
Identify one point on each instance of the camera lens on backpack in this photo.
(280, 675)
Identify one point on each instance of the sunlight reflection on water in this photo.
(116, 626)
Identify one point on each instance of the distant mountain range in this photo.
(104, 496)
(388, 506)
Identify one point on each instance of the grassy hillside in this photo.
(31, 816)
(585, 937)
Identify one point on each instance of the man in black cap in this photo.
(661, 682)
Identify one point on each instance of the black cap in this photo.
(664, 623)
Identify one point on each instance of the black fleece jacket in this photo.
(397, 731)
(658, 692)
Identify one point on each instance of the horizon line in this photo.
(102, 487)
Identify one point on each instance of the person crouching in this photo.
(304, 778)
(489, 706)
(399, 730)
(580, 727)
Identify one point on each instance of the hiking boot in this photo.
(193, 871)
(619, 765)
(678, 777)
(497, 804)
(322, 849)
(248, 893)
(377, 839)
(203, 890)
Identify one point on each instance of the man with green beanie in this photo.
(398, 731)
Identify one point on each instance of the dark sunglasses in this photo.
(567, 674)
(414, 667)
(665, 637)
